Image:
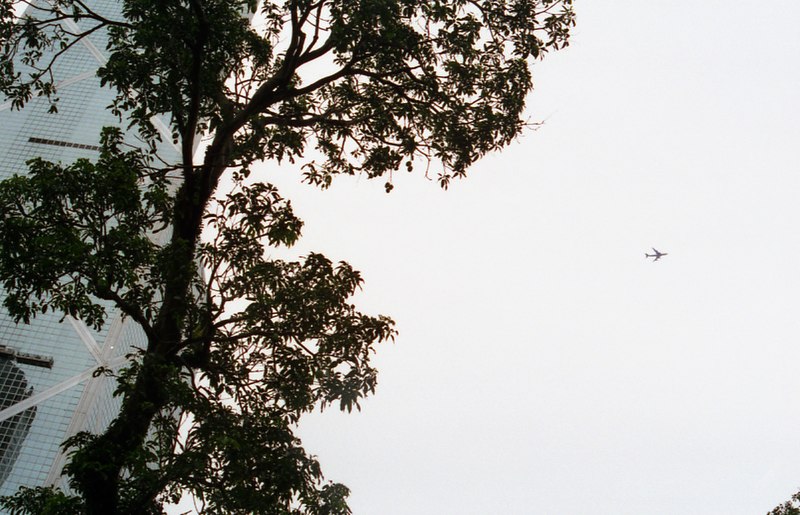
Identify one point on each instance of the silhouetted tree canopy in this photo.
(344, 87)
(790, 507)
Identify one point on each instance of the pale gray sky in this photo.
(543, 365)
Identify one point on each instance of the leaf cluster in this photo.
(41, 501)
(371, 85)
(76, 235)
(73, 234)
(790, 507)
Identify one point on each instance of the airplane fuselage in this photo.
(658, 255)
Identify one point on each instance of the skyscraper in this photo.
(47, 388)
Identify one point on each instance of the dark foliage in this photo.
(366, 87)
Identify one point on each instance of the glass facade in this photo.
(47, 391)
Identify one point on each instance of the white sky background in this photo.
(543, 365)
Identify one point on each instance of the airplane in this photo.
(658, 255)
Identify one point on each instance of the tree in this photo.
(363, 87)
(790, 507)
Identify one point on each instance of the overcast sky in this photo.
(544, 366)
